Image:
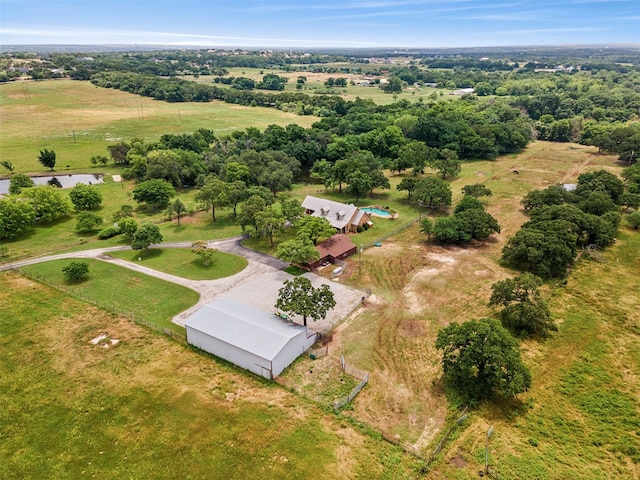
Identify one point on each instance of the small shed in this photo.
(252, 339)
(335, 248)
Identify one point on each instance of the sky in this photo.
(316, 23)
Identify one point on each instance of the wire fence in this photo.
(393, 232)
(354, 372)
(108, 307)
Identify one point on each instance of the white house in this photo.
(250, 338)
(345, 218)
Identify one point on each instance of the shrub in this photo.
(108, 233)
(633, 219)
(76, 270)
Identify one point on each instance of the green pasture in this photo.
(152, 408)
(122, 290)
(582, 416)
(315, 85)
(78, 120)
(181, 262)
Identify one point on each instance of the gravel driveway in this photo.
(257, 285)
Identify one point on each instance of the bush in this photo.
(633, 219)
(108, 233)
(76, 270)
(87, 222)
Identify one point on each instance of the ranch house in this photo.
(345, 218)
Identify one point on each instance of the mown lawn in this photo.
(122, 290)
(182, 263)
(152, 408)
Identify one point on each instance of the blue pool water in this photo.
(376, 211)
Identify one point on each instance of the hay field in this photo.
(78, 120)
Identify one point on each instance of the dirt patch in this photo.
(458, 461)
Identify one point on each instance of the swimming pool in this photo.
(376, 211)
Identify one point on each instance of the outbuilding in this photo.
(255, 340)
(335, 248)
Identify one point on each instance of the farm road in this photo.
(256, 285)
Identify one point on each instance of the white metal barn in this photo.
(250, 338)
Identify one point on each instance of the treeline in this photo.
(399, 136)
(564, 219)
(178, 90)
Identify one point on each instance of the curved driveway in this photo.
(256, 285)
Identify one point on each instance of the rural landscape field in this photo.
(98, 380)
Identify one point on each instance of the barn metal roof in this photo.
(245, 327)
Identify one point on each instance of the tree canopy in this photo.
(481, 359)
(47, 158)
(145, 236)
(85, 197)
(524, 310)
(155, 193)
(300, 297)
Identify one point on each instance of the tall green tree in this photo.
(85, 197)
(359, 183)
(432, 191)
(47, 158)
(49, 202)
(476, 190)
(249, 209)
(447, 163)
(300, 297)
(147, 235)
(409, 184)
(481, 359)
(18, 182)
(291, 208)
(16, 216)
(314, 228)
(269, 223)
(546, 249)
(524, 310)
(176, 208)
(298, 251)
(155, 193)
(128, 226)
(87, 222)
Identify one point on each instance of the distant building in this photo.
(345, 218)
(250, 338)
(569, 187)
(463, 91)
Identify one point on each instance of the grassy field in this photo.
(151, 408)
(315, 83)
(122, 290)
(579, 420)
(419, 288)
(78, 120)
(182, 263)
